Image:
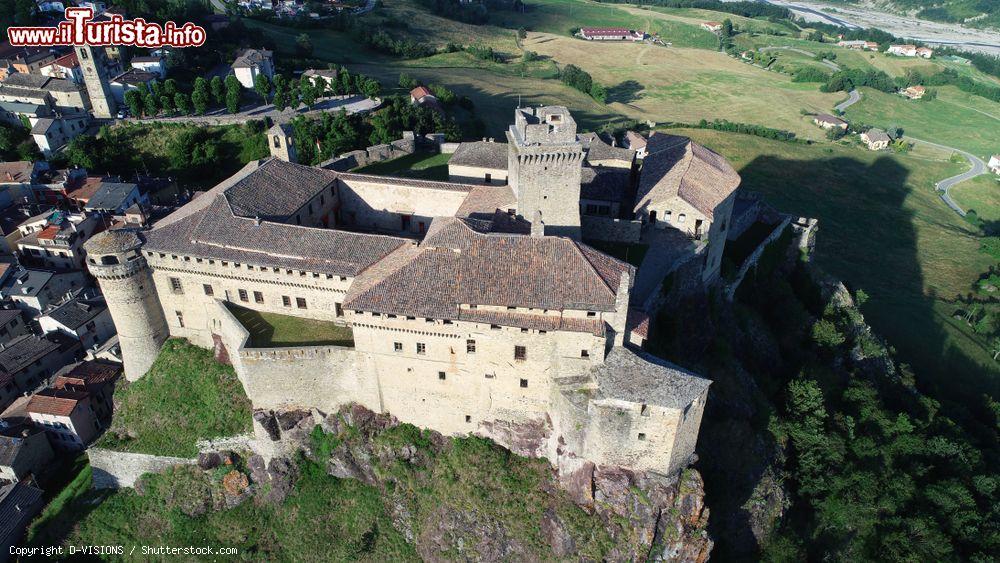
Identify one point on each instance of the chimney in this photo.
(620, 317)
(537, 226)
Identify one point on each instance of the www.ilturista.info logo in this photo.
(78, 29)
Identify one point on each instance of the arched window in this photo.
(277, 142)
(109, 260)
(681, 218)
(666, 215)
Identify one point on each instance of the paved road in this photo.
(853, 97)
(352, 104)
(978, 168)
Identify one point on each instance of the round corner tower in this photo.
(115, 259)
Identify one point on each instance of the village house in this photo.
(59, 245)
(827, 121)
(24, 451)
(97, 378)
(15, 113)
(321, 76)
(859, 45)
(58, 93)
(12, 323)
(150, 63)
(29, 360)
(714, 27)
(914, 92)
(131, 79)
(19, 504)
(66, 416)
(611, 34)
(33, 291)
(53, 133)
(113, 198)
(251, 63)
(422, 96)
(924, 52)
(902, 50)
(85, 318)
(876, 139)
(66, 67)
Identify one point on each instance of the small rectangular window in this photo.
(180, 318)
(243, 296)
(470, 346)
(520, 353)
(339, 309)
(286, 301)
(524, 383)
(208, 289)
(175, 286)
(397, 346)
(468, 418)
(300, 302)
(442, 376)
(258, 297)
(421, 348)
(644, 410)
(591, 314)
(642, 436)
(584, 353)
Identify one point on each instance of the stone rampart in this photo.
(751, 261)
(115, 470)
(375, 153)
(610, 229)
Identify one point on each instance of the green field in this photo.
(185, 397)
(954, 119)
(884, 230)
(980, 194)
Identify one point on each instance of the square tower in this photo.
(544, 162)
(280, 142)
(102, 103)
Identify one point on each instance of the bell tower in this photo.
(545, 164)
(280, 142)
(102, 103)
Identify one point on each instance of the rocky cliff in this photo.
(466, 498)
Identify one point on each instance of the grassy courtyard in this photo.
(270, 330)
(423, 166)
(185, 397)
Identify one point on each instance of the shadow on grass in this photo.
(868, 239)
(69, 498)
(625, 92)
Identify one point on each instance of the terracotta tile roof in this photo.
(635, 139)
(17, 171)
(347, 177)
(480, 154)
(638, 322)
(598, 150)
(420, 92)
(690, 171)
(483, 201)
(48, 233)
(90, 375)
(277, 189)
(250, 58)
(638, 377)
(55, 402)
(68, 61)
(458, 265)
(605, 184)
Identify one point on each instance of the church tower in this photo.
(115, 259)
(280, 141)
(545, 162)
(102, 103)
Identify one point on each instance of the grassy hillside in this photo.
(186, 396)
(883, 230)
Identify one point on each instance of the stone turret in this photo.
(115, 259)
(281, 142)
(545, 163)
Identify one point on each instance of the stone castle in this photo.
(474, 308)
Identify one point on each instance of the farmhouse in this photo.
(422, 96)
(827, 121)
(714, 27)
(465, 307)
(876, 139)
(994, 163)
(859, 45)
(611, 34)
(902, 50)
(925, 52)
(914, 92)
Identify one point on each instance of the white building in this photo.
(151, 64)
(85, 319)
(994, 163)
(52, 133)
(253, 62)
(131, 79)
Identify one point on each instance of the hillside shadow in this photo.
(625, 92)
(867, 239)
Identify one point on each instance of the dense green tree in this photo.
(200, 96)
(262, 86)
(182, 103)
(218, 90)
(150, 106)
(133, 99)
(304, 45)
(234, 94)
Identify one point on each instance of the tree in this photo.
(407, 81)
(522, 33)
(170, 87)
(304, 45)
(371, 87)
(280, 99)
(307, 92)
(234, 91)
(200, 97)
(826, 335)
(133, 99)
(85, 151)
(149, 105)
(262, 86)
(218, 90)
(167, 103)
(727, 27)
(182, 103)
(346, 82)
(599, 92)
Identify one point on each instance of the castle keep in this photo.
(474, 308)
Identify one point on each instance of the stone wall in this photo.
(375, 153)
(754, 257)
(610, 229)
(113, 470)
(752, 205)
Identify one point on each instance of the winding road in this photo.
(978, 168)
(853, 97)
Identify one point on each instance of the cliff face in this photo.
(466, 498)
